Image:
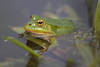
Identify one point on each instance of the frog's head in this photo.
(38, 25)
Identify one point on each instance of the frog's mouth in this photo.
(40, 32)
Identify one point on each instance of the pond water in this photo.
(17, 13)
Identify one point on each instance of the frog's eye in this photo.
(40, 23)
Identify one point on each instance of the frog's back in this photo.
(61, 26)
(60, 22)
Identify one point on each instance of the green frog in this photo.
(46, 27)
(43, 31)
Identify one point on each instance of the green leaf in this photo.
(97, 21)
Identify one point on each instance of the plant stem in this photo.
(18, 43)
(97, 22)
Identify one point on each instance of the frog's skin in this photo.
(39, 27)
(47, 29)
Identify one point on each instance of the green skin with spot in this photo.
(47, 29)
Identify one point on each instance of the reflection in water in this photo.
(33, 61)
(37, 43)
(44, 45)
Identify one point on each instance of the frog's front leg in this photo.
(45, 47)
(43, 50)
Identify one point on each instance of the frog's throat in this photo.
(40, 32)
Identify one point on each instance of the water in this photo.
(17, 12)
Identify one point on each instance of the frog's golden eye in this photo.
(40, 23)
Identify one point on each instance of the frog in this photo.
(48, 27)
(38, 29)
(43, 31)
